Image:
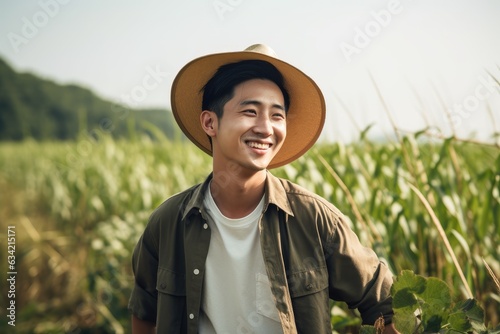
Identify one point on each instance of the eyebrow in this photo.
(259, 103)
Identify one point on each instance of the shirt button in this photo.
(191, 316)
(163, 285)
(309, 286)
(196, 271)
(205, 226)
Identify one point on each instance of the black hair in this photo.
(220, 88)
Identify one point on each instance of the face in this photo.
(252, 128)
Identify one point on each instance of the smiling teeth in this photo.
(258, 145)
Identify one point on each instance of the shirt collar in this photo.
(275, 194)
(196, 201)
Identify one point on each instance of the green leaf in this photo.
(432, 322)
(473, 313)
(404, 322)
(404, 301)
(436, 301)
(433, 315)
(436, 294)
(408, 280)
(364, 132)
(458, 321)
(421, 132)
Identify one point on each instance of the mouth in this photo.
(258, 145)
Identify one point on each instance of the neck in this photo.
(237, 195)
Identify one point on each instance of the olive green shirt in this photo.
(310, 254)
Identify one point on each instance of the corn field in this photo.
(426, 205)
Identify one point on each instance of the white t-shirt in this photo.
(237, 294)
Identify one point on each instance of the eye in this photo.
(279, 115)
(249, 111)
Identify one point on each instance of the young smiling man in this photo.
(246, 252)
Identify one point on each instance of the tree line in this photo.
(40, 109)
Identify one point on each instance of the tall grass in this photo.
(372, 183)
(80, 207)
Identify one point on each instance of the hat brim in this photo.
(305, 118)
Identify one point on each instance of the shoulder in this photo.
(301, 198)
(311, 210)
(173, 208)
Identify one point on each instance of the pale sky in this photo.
(425, 56)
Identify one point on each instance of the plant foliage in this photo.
(424, 305)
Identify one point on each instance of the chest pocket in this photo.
(171, 305)
(309, 293)
(170, 283)
(307, 282)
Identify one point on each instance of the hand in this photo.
(142, 327)
(390, 329)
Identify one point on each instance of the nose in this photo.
(263, 126)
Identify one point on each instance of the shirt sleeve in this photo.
(357, 276)
(143, 300)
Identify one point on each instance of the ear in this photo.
(208, 121)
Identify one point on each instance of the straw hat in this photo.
(305, 117)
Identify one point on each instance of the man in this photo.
(246, 252)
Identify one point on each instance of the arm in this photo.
(356, 274)
(143, 299)
(142, 327)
